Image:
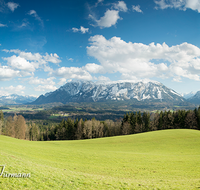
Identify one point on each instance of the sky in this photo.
(44, 44)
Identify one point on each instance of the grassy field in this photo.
(168, 159)
(15, 109)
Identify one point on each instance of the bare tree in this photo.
(10, 130)
(126, 128)
(20, 127)
(87, 129)
(79, 130)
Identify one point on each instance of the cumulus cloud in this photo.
(53, 58)
(6, 91)
(103, 79)
(12, 6)
(35, 15)
(20, 63)
(111, 16)
(45, 88)
(137, 60)
(42, 59)
(6, 73)
(13, 89)
(62, 81)
(178, 4)
(109, 19)
(94, 68)
(72, 73)
(82, 30)
(136, 8)
(36, 80)
(44, 84)
(27, 62)
(121, 6)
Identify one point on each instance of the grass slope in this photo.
(168, 159)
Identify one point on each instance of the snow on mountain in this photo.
(188, 95)
(195, 99)
(87, 91)
(16, 99)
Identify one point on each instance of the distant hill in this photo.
(87, 91)
(16, 99)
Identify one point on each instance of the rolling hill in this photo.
(167, 159)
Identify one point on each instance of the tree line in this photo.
(131, 123)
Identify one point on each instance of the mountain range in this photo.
(87, 91)
(195, 99)
(16, 99)
(188, 95)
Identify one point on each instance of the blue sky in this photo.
(44, 44)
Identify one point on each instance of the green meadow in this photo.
(167, 159)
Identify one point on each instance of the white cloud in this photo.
(109, 19)
(82, 30)
(103, 79)
(53, 58)
(94, 68)
(27, 61)
(35, 15)
(62, 81)
(12, 6)
(13, 89)
(3, 25)
(72, 73)
(75, 29)
(97, 3)
(36, 80)
(111, 16)
(45, 88)
(44, 84)
(20, 63)
(136, 60)
(7, 73)
(178, 4)
(71, 59)
(193, 4)
(24, 24)
(136, 8)
(48, 69)
(121, 6)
